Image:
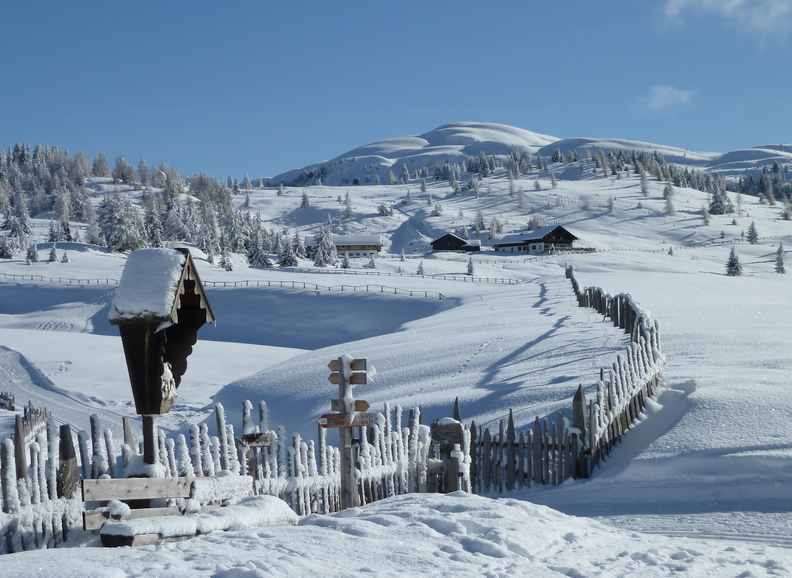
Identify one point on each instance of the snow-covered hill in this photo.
(375, 162)
(451, 142)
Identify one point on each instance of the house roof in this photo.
(453, 235)
(357, 239)
(531, 236)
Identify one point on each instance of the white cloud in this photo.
(662, 97)
(764, 18)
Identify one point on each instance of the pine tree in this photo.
(305, 202)
(53, 255)
(479, 223)
(347, 207)
(371, 263)
(668, 191)
(100, 166)
(325, 250)
(423, 185)
(5, 249)
(402, 258)
(420, 269)
(32, 253)
(733, 266)
(553, 181)
(65, 257)
(287, 258)
(537, 186)
(669, 206)
(779, 262)
(470, 268)
(705, 215)
(753, 234)
(644, 184)
(345, 261)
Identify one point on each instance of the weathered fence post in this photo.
(20, 448)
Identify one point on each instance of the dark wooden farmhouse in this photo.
(452, 242)
(537, 242)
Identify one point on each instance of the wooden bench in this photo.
(100, 492)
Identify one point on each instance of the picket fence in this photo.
(440, 276)
(570, 445)
(40, 504)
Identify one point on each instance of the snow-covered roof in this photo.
(148, 285)
(357, 239)
(531, 236)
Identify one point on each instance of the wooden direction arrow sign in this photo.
(340, 420)
(357, 365)
(261, 439)
(353, 379)
(338, 405)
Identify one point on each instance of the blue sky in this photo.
(259, 87)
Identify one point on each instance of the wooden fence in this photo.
(570, 444)
(305, 285)
(39, 479)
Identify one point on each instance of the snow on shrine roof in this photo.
(148, 284)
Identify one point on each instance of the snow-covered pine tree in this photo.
(371, 263)
(753, 234)
(5, 249)
(65, 257)
(479, 223)
(669, 206)
(53, 255)
(420, 269)
(347, 206)
(287, 257)
(305, 202)
(32, 253)
(423, 185)
(671, 251)
(553, 181)
(733, 266)
(668, 191)
(705, 215)
(345, 261)
(779, 260)
(325, 250)
(470, 267)
(401, 257)
(644, 184)
(537, 186)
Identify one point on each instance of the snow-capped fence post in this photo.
(68, 471)
(20, 448)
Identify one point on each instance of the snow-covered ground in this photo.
(419, 535)
(712, 459)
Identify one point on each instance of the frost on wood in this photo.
(251, 512)
(148, 284)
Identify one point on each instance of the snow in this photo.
(710, 459)
(148, 285)
(412, 535)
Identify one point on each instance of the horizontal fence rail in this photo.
(317, 288)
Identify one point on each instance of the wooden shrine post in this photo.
(158, 330)
(346, 372)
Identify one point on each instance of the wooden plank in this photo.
(341, 420)
(352, 379)
(20, 449)
(338, 405)
(111, 541)
(135, 489)
(356, 365)
(259, 439)
(93, 520)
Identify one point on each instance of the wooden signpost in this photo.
(347, 413)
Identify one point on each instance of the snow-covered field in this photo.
(712, 459)
(420, 535)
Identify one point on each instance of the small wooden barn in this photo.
(538, 241)
(452, 242)
(158, 307)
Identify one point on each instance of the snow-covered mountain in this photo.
(373, 163)
(448, 142)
